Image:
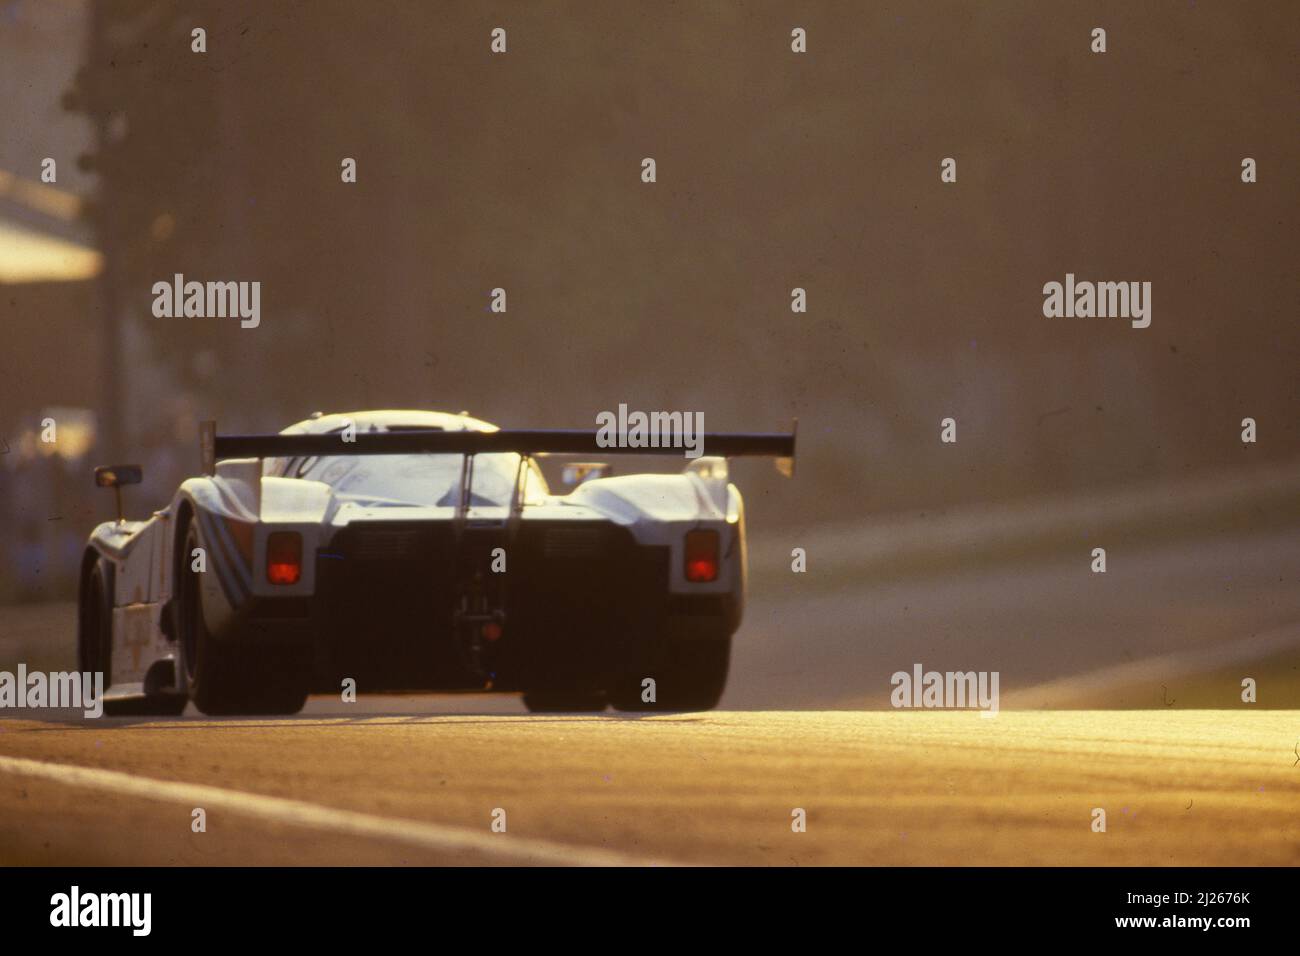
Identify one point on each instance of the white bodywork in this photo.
(657, 509)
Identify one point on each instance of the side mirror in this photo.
(576, 472)
(115, 476)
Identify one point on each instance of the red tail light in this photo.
(701, 556)
(284, 557)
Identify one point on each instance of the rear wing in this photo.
(530, 441)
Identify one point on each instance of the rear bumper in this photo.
(583, 605)
(580, 602)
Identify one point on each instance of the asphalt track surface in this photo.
(1178, 787)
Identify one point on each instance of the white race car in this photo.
(419, 551)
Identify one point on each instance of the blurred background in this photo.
(775, 171)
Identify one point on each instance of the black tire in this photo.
(233, 677)
(689, 676)
(95, 619)
(95, 646)
(561, 702)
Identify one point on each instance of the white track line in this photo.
(431, 836)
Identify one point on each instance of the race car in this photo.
(418, 551)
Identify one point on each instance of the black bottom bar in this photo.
(974, 907)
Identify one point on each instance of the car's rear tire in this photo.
(235, 676)
(95, 644)
(688, 675)
(95, 618)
